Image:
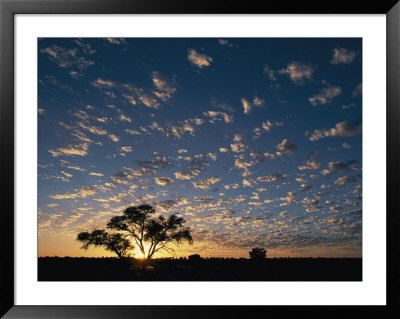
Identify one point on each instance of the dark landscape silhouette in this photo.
(139, 226)
(200, 269)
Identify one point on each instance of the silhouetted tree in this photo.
(157, 232)
(258, 253)
(117, 243)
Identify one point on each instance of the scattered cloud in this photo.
(205, 183)
(127, 149)
(163, 181)
(298, 72)
(342, 129)
(326, 95)
(345, 179)
(270, 73)
(343, 56)
(287, 147)
(248, 106)
(198, 59)
(67, 58)
(72, 150)
(271, 178)
(358, 90)
(218, 116)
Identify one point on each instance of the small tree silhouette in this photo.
(117, 243)
(157, 232)
(258, 253)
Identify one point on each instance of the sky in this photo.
(254, 141)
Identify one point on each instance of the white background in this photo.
(368, 292)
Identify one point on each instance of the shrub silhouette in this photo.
(258, 253)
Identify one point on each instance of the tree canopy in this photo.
(117, 242)
(158, 232)
(150, 233)
(258, 253)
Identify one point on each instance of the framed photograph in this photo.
(168, 160)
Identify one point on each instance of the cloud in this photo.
(100, 83)
(168, 204)
(157, 162)
(274, 177)
(188, 173)
(113, 138)
(147, 99)
(52, 80)
(265, 127)
(212, 156)
(258, 101)
(95, 174)
(342, 129)
(92, 129)
(226, 107)
(80, 192)
(326, 95)
(119, 181)
(204, 199)
(197, 164)
(205, 183)
(126, 149)
(163, 181)
(350, 203)
(343, 56)
(339, 166)
(64, 196)
(270, 155)
(231, 186)
(347, 106)
(133, 132)
(67, 164)
(123, 117)
(248, 106)
(270, 73)
(218, 116)
(358, 90)
(86, 191)
(289, 199)
(227, 43)
(116, 40)
(66, 174)
(249, 182)
(140, 171)
(287, 147)
(241, 163)
(67, 58)
(341, 181)
(305, 187)
(309, 165)
(178, 129)
(298, 72)
(165, 87)
(72, 150)
(198, 59)
(346, 146)
(238, 146)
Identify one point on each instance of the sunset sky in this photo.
(255, 142)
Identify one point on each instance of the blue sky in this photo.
(256, 142)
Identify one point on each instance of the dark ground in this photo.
(210, 269)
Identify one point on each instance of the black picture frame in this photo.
(9, 8)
